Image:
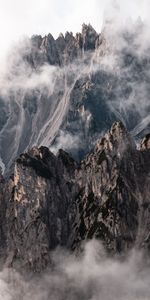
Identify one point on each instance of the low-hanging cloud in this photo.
(36, 99)
(90, 276)
(93, 275)
(29, 17)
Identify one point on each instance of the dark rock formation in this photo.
(73, 86)
(53, 201)
(115, 189)
(40, 211)
(64, 49)
(145, 144)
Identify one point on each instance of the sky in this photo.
(27, 17)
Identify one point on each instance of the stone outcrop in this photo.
(74, 86)
(40, 209)
(114, 197)
(145, 144)
(52, 201)
(64, 49)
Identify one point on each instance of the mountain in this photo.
(66, 92)
(52, 201)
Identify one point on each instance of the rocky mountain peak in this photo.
(51, 200)
(88, 30)
(36, 41)
(69, 36)
(64, 49)
(117, 139)
(89, 36)
(145, 144)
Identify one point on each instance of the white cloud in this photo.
(27, 17)
(91, 276)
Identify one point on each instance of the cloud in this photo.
(34, 102)
(28, 17)
(66, 141)
(90, 276)
(37, 100)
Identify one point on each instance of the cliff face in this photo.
(114, 198)
(64, 49)
(53, 201)
(41, 206)
(66, 92)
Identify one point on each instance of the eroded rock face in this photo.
(145, 144)
(75, 87)
(64, 49)
(41, 209)
(114, 195)
(52, 201)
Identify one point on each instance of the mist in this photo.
(91, 275)
(35, 99)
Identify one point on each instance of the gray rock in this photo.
(70, 87)
(52, 201)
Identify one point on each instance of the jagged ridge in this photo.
(67, 92)
(51, 200)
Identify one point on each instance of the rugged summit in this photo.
(64, 49)
(53, 201)
(66, 92)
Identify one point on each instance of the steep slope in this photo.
(114, 196)
(65, 92)
(41, 210)
(53, 201)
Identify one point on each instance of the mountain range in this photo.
(66, 92)
(75, 145)
(52, 201)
